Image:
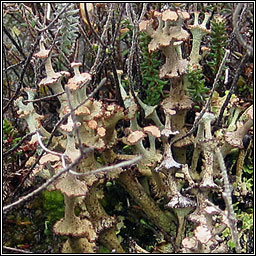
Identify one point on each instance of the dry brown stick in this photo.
(91, 27)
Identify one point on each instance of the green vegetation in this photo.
(150, 64)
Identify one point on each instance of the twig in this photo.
(108, 168)
(232, 88)
(118, 26)
(14, 65)
(69, 168)
(132, 50)
(102, 46)
(14, 42)
(206, 107)
(86, 39)
(227, 196)
(27, 136)
(135, 21)
(54, 20)
(236, 29)
(62, 156)
(27, 62)
(15, 249)
(43, 186)
(91, 27)
(43, 98)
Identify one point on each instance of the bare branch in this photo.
(43, 186)
(14, 42)
(102, 46)
(44, 98)
(239, 37)
(27, 136)
(20, 84)
(232, 88)
(69, 168)
(206, 107)
(62, 156)
(15, 249)
(91, 27)
(108, 168)
(227, 196)
(55, 19)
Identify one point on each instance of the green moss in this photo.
(150, 63)
(53, 203)
(219, 42)
(196, 88)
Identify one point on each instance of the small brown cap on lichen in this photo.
(169, 15)
(135, 137)
(153, 130)
(49, 158)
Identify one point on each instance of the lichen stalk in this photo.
(148, 205)
(99, 217)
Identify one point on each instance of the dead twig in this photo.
(26, 137)
(207, 105)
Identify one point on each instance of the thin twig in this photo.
(61, 155)
(232, 88)
(135, 21)
(207, 105)
(14, 65)
(14, 42)
(91, 27)
(27, 62)
(43, 98)
(55, 19)
(43, 186)
(118, 26)
(15, 249)
(102, 47)
(132, 50)
(227, 196)
(69, 168)
(86, 39)
(239, 37)
(108, 168)
(27, 136)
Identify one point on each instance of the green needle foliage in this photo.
(196, 88)
(219, 41)
(67, 24)
(150, 64)
(53, 204)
